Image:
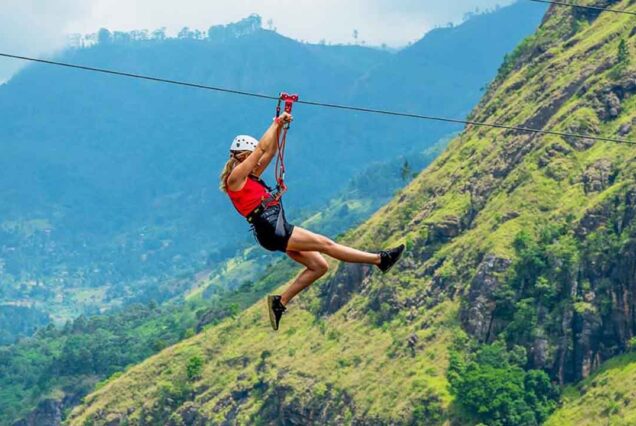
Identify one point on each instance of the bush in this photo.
(623, 53)
(512, 59)
(173, 393)
(429, 409)
(194, 367)
(539, 286)
(622, 61)
(494, 389)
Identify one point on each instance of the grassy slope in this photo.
(41, 367)
(607, 397)
(345, 354)
(233, 286)
(350, 349)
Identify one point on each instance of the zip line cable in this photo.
(138, 76)
(470, 122)
(580, 6)
(324, 105)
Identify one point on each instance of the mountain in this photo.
(430, 77)
(519, 276)
(49, 373)
(109, 184)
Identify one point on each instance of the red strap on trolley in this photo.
(282, 141)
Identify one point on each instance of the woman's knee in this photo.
(321, 266)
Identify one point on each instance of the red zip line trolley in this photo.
(289, 100)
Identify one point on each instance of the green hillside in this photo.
(607, 397)
(520, 271)
(42, 376)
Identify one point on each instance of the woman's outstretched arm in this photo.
(272, 147)
(256, 160)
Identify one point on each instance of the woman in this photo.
(252, 198)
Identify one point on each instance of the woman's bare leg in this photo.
(315, 267)
(304, 240)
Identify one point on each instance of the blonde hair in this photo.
(235, 158)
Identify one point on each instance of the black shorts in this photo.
(264, 228)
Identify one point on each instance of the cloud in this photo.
(38, 27)
(35, 27)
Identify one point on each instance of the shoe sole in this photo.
(272, 315)
(396, 261)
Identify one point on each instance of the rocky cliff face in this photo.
(47, 413)
(50, 411)
(525, 238)
(595, 319)
(605, 320)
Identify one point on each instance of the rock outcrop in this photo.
(337, 291)
(477, 315)
(598, 176)
(47, 413)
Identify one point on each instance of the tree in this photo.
(121, 37)
(185, 33)
(499, 392)
(139, 35)
(104, 36)
(159, 34)
(405, 171)
(623, 53)
(194, 367)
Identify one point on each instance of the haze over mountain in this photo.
(109, 185)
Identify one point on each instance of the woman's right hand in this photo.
(284, 118)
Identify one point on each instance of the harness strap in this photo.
(279, 229)
(281, 188)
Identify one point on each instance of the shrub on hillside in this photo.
(194, 368)
(493, 387)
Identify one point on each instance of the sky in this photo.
(39, 27)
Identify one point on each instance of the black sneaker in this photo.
(388, 258)
(276, 310)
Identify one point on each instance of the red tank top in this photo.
(250, 196)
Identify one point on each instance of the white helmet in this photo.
(244, 143)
